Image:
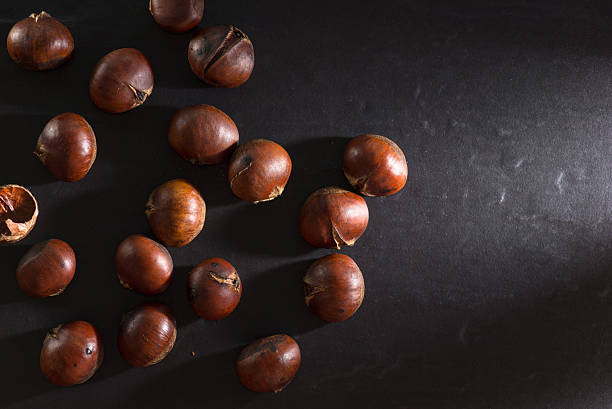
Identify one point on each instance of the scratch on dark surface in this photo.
(559, 182)
(502, 196)
(519, 163)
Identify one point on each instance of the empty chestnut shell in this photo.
(202, 134)
(18, 213)
(71, 353)
(146, 334)
(39, 42)
(269, 364)
(259, 171)
(333, 287)
(46, 269)
(375, 165)
(143, 265)
(67, 147)
(176, 212)
(122, 80)
(332, 217)
(177, 16)
(214, 289)
(221, 56)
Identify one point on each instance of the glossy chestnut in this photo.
(269, 364)
(176, 212)
(18, 213)
(122, 80)
(71, 353)
(214, 289)
(39, 42)
(203, 134)
(177, 16)
(221, 56)
(259, 170)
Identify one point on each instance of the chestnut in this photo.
(214, 289)
(39, 42)
(143, 265)
(46, 269)
(333, 287)
(71, 353)
(202, 134)
(269, 364)
(177, 16)
(221, 56)
(146, 334)
(332, 217)
(18, 213)
(67, 147)
(375, 165)
(259, 170)
(176, 212)
(122, 80)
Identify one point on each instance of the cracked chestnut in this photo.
(46, 269)
(375, 165)
(332, 217)
(143, 265)
(214, 289)
(269, 364)
(18, 213)
(176, 212)
(259, 170)
(333, 287)
(177, 16)
(122, 80)
(203, 134)
(71, 353)
(39, 42)
(146, 334)
(221, 56)
(67, 147)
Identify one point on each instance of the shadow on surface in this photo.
(10, 256)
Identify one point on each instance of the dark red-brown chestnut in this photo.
(214, 289)
(177, 16)
(143, 265)
(18, 213)
(203, 134)
(176, 212)
(122, 80)
(259, 170)
(221, 56)
(332, 217)
(67, 147)
(39, 42)
(71, 353)
(375, 165)
(269, 364)
(146, 334)
(46, 269)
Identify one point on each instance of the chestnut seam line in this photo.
(223, 47)
(240, 173)
(230, 280)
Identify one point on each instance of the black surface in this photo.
(488, 278)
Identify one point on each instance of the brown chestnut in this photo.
(259, 171)
(122, 80)
(39, 42)
(332, 217)
(375, 165)
(202, 134)
(18, 213)
(177, 16)
(214, 289)
(71, 353)
(46, 269)
(333, 287)
(67, 147)
(221, 56)
(176, 212)
(143, 265)
(146, 334)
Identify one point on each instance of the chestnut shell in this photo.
(214, 289)
(177, 16)
(18, 213)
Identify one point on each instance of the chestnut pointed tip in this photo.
(37, 16)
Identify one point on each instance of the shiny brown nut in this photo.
(214, 289)
(177, 16)
(18, 213)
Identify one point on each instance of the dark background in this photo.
(488, 277)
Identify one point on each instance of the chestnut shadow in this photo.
(175, 297)
(10, 256)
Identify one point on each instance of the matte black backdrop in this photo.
(487, 278)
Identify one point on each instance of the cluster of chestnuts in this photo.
(258, 171)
